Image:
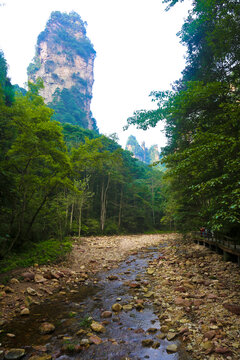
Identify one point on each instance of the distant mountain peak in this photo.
(141, 152)
(64, 60)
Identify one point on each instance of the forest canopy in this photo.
(60, 179)
(202, 121)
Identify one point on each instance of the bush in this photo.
(52, 251)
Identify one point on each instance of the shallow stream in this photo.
(69, 313)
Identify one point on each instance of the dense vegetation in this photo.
(59, 180)
(202, 121)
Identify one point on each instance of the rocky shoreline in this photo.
(197, 295)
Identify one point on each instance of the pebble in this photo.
(147, 342)
(172, 348)
(97, 327)
(46, 328)
(117, 307)
(25, 311)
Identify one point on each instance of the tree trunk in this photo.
(80, 219)
(120, 208)
(153, 212)
(104, 202)
(71, 217)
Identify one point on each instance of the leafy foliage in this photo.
(61, 179)
(202, 121)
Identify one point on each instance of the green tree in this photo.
(202, 120)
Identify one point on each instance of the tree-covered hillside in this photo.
(59, 180)
(202, 121)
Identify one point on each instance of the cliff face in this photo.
(141, 152)
(64, 60)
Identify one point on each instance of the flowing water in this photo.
(69, 313)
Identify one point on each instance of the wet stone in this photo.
(152, 330)
(117, 307)
(171, 336)
(14, 354)
(106, 314)
(147, 342)
(41, 357)
(46, 328)
(172, 348)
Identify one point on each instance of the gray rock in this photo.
(14, 354)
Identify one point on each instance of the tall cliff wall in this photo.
(64, 60)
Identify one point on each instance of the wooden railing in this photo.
(221, 240)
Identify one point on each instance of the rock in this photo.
(97, 327)
(81, 332)
(198, 302)
(95, 340)
(156, 345)
(222, 350)
(150, 271)
(28, 276)
(39, 278)
(233, 308)
(8, 290)
(25, 311)
(14, 354)
(147, 342)
(171, 336)
(134, 285)
(46, 328)
(210, 334)
(127, 307)
(212, 296)
(117, 307)
(139, 306)
(183, 302)
(2, 322)
(41, 348)
(149, 294)
(48, 275)
(152, 330)
(164, 328)
(84, 342)
(2, 294)
(112, 277)
(207, 345)
(31, 291)
(106, 314)
(41, 357)
(14, 281)
(172, 348)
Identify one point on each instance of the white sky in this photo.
(137, 52)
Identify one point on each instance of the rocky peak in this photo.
(64, 60)
(141, 152)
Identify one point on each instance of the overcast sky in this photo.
(137, 52)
